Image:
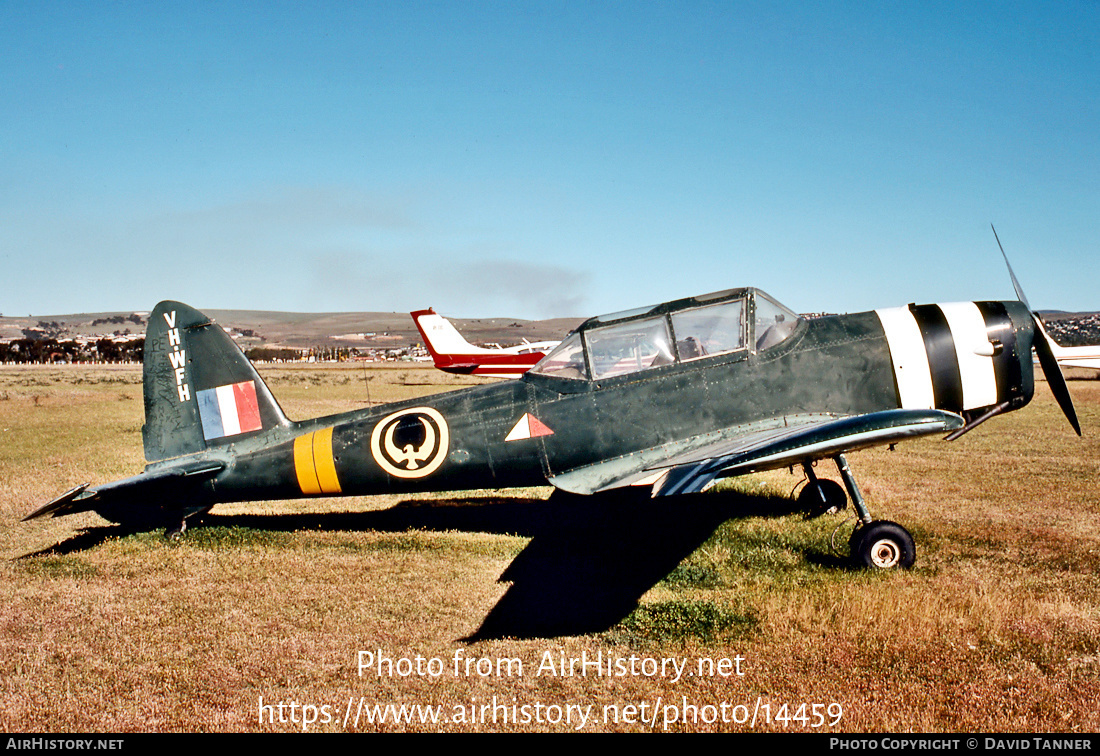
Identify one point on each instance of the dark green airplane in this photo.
(664, 399)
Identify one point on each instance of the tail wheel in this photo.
(883, 545)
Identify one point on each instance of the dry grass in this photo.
(997, 629)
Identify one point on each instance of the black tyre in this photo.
(883, 545)
(822, 496)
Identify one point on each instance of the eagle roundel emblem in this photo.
(411, 443)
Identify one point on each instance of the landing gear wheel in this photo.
(822, 496)
(883, 545)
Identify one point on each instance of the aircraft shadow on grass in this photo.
(589, 560)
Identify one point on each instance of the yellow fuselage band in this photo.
(315, 464)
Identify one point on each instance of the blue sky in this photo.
(545, 159)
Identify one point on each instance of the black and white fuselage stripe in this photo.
(942, 356)
(1006, 363)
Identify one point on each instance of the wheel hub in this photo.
(885, 554)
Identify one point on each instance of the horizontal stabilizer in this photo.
(60, 505)
(129, 491)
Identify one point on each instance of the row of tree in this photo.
(45, 350)
(52, 350)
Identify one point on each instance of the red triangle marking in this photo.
(538, 428)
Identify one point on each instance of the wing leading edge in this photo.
(740, 451)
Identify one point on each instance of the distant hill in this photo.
(293, 329)
(1072, 328)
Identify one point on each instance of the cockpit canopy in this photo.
(675, 332)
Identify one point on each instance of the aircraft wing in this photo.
(739, 451)
(1084, 362)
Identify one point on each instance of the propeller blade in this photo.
(1053, 373)
(1015, 284)
(1051, 370)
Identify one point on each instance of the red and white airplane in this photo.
(452, 353)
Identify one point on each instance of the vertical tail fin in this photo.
(441, 338)
(200, 389)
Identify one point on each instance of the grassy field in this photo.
(720, 612)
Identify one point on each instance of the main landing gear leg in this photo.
(880, 544)
(853, 489)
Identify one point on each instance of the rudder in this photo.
(200, 389)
